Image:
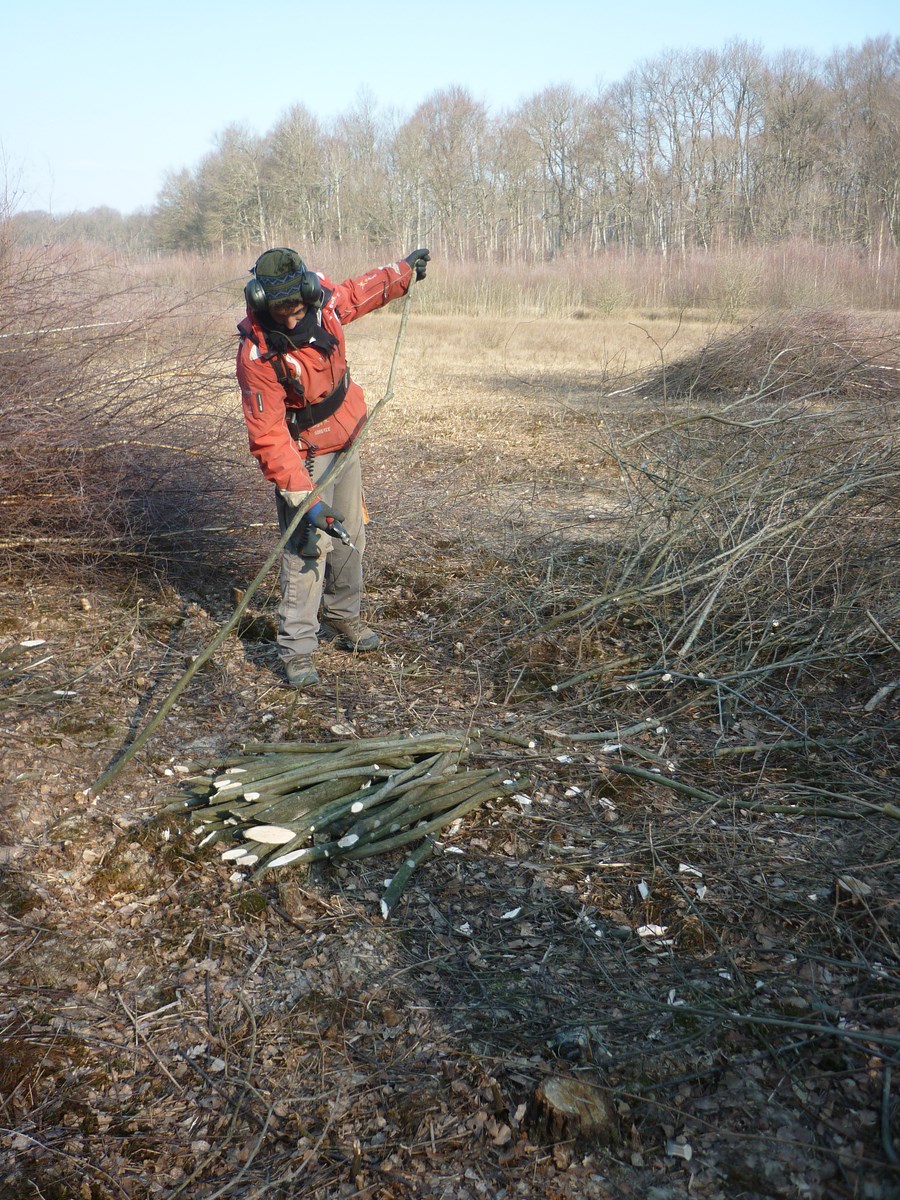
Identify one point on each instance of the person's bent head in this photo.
(282, 287)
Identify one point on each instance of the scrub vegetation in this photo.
(641, 553)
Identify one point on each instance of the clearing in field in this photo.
(648, 568)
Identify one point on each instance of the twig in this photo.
(290, 1176)
(245, 1167)
(675, 784)
(881, 695)
(853, 1035)
(607, 735)
(883, 633)
(140, 1036)
(788, 744)
(886, 1141)
(87, 1167)
(511, 739)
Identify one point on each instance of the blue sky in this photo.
(100, 99)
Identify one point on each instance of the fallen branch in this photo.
(675, 784)
(838, 1031)
(402, 876)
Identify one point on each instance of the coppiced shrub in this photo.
(115, 443)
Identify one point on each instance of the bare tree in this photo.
(701, 148)
(294, 183)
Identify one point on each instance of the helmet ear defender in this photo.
(279, 266)
(255, 295)
(311, 290)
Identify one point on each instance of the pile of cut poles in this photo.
(300, 802)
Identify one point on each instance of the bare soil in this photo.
(727, 972)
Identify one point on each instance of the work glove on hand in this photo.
(305, 539)
(419, 260)
(324, 518)
(320, 516)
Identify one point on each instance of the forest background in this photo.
(691, 154)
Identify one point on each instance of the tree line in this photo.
(707, 149)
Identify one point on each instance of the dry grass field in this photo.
(649, 564)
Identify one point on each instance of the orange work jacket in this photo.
(267, 401)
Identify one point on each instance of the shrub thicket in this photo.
(120, 434)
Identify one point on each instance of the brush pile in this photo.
(793, 357)
(301, 802)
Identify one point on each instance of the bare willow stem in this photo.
(873, 1036)
(402, 875)
(337, 468)
(886, 1141)
(664, 781)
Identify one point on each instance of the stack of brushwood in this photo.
(301, 802)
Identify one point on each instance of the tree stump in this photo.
(566, 1109)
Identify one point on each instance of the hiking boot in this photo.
(350, 635)
(301, 672)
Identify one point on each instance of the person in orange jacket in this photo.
(302, 410)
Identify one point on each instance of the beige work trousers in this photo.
(334, 578)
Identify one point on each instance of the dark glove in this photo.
(419, 260)
(305, 541)
(323, 517)
(320, 516)
(329, 521)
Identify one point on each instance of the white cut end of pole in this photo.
(269, 835)
(350, 840)
(384, 910)
(234, 852)
(252, 795)
(284, 859)
(357, 807)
